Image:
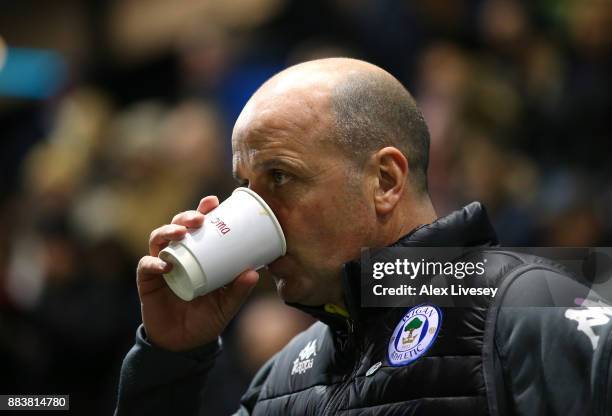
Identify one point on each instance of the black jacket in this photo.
(486, 359)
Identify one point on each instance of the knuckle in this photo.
(154, 234)
(185, 217)
(141, 264)
(177, 217)
(196, 215)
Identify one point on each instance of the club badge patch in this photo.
(414, 334)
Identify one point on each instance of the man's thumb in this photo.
(239, 290)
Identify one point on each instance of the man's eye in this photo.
(279, 177)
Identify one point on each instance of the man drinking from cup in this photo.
(338, 150)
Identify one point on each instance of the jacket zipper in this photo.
(330, 409)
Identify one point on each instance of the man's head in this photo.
(339, 150)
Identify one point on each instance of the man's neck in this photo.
(405, 221)
(408, 218)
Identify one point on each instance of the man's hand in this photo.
(170, 322)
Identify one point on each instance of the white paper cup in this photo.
(241, 233)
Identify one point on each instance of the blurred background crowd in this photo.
(114, 115)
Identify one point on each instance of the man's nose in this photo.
(266, 195)
(261, 191)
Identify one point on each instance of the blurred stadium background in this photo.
(105, 106)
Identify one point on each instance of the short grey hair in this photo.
(374, 110)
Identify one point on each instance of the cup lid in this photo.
(186, 277)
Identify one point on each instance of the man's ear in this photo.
(392, 172)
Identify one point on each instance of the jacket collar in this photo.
(467, 227)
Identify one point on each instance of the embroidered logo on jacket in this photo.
(590, 318)
(304, 361)
(414, 334)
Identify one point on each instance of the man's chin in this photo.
(284, 279)
(286, 290)
(292, 291)
(293, 285)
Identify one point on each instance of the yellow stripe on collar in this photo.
(336, 310)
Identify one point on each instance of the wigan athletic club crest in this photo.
(414, 334)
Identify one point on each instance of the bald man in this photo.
(339, 151)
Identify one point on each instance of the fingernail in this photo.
(163, 264)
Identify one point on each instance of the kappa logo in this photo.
(594, 314)
(414, 334)
(304, 361)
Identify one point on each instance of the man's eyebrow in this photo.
(272, 163)
(264, 165)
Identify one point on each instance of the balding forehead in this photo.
(285, 106)
(316, 79)
(300, 97)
